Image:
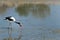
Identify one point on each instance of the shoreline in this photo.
(11, 4)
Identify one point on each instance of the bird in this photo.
(12, 19)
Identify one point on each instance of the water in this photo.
(40, 22)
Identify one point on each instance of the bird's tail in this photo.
(18, 23)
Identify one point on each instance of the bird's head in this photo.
(19, 24)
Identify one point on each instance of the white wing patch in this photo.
(13, 18)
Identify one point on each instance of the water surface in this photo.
(40, 22)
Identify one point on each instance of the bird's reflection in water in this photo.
(10, 34)
(10, 31)
(19, 36)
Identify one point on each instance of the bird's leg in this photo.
(10, 31)
(10, 25)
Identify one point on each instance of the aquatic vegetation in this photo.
(23, 9)
(41, 10)
(3, 9)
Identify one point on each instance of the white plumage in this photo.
(12, 19)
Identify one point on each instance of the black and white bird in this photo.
(12, 19)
